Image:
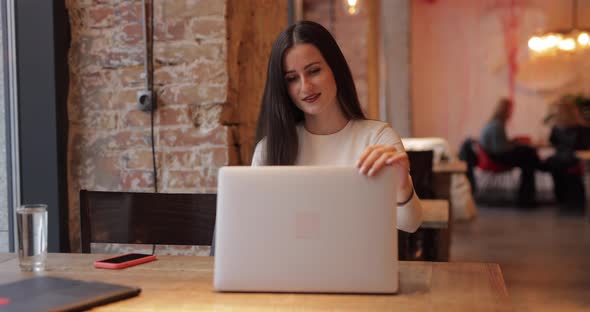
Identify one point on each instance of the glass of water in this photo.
(31, 223)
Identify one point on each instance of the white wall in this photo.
(394, 61)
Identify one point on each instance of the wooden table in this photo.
(435, 214)
(180, 283)
(456, 166)
(585, 157)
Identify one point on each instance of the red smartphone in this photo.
(123, 261)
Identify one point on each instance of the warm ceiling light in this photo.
(569, 40)
(352, 7)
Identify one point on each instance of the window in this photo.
(7, 124)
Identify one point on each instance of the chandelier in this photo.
(565, 41)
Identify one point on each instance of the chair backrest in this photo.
(485, 162)
(421, 163)
(421, 172)
(146, 218)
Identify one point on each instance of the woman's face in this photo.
(310, 81)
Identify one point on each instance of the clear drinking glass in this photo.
(31, 222)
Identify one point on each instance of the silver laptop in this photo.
(306, 229)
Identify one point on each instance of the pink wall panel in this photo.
(460, 68)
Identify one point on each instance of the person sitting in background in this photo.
(511, 153)
(569, 132)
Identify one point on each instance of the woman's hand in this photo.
(374, 158)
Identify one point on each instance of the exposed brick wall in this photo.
(109, 145)
(351, 34)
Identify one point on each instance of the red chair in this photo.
(495, 181)
(485, 162)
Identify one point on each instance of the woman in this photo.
(569, 133)
(311, 115)
(511, 152)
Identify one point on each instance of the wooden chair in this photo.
(421, 163)
(146, 218)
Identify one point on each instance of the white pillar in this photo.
(394, 64)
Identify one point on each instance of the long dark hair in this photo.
(278, 114)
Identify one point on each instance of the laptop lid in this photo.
(60, 294)
(306, 229)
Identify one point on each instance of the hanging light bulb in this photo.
(352, 7)
(553, 40)
(568, 44)
(583, 38)
(537, 44)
